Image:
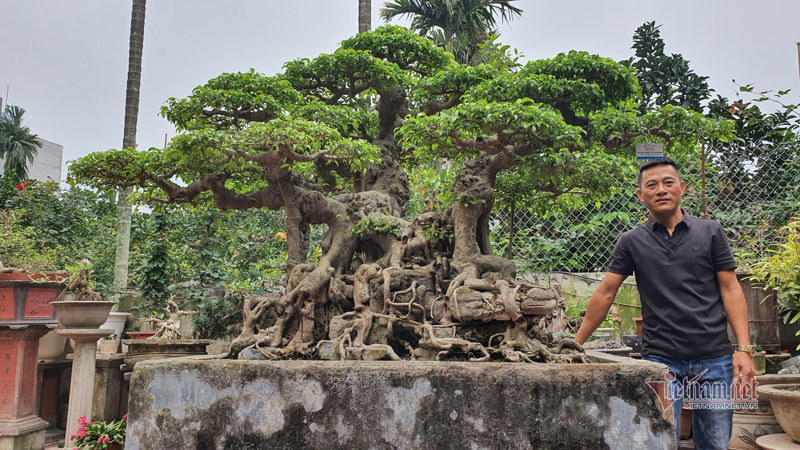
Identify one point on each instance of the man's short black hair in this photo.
(654, 163)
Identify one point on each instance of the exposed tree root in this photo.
(405, 304)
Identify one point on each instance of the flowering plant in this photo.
(99, 434)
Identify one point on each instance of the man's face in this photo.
(661, 189)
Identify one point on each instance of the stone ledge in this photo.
(190, 403)
(19, 427)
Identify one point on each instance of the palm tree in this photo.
(124, 208)
(457, 25)
(17, 144)
(364, 15)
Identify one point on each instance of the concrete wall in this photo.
(215, 404)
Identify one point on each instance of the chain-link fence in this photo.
(752, 192)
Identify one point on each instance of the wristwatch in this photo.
(749, 349)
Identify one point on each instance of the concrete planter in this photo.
(785, 401)
(82, 314)
(26, 299)
(116, 321)
(142, 350)
(751, 424)
(26, 314)
(51, 346)
(189, 403)
(108, 346)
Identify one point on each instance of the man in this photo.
(689, 292)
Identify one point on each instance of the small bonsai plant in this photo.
(79, 284)
(169, 327)
(99, 434)
(781, 273)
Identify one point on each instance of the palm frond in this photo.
(17, 144)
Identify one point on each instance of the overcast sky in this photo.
(65, 62)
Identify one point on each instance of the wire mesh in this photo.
(751, 192)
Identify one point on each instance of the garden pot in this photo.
(116, 321)
(760, 362)
(750, 424)
(51, 346)
(82, 314)
(140, 335)
(634, 341)
(639, 325)
(619, 351)
(785, 401)
(142, 350)
(108, 346)
(686, 423)
(26, 299)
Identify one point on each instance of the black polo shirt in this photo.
(676, 275)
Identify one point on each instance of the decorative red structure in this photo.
(26, 314)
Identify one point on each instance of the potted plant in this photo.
(639, 324)
(109, 345)
(25, 276)
(167, 341)
(759, 360)
(781, 273)
(81, 306)
(100, 434)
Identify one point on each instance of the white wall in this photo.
(47, 163)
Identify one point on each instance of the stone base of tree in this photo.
(185, 403)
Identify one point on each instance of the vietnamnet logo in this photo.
(697, 394)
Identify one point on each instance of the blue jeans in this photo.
(711, 428)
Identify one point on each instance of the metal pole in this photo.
(510, 249)
(703, 177)
(798, 58)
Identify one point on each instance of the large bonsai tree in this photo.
(332, 141)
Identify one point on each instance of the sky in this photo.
(65, 62)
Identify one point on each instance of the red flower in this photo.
(22, 186)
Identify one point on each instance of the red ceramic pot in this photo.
(140, 335)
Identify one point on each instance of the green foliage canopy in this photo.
(554, 126)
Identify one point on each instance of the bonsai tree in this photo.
(78, 283)
(332, 141)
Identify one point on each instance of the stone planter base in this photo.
(750, 424)
(780, 441)
(188, 403)
(785, 401)
(34, 440)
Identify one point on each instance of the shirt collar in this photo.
(686, 221)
